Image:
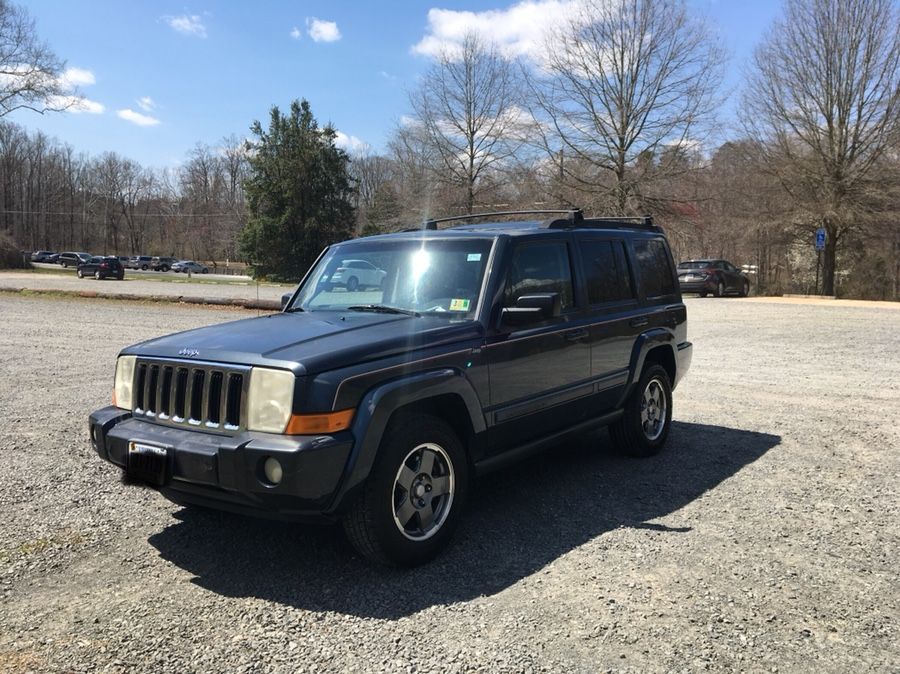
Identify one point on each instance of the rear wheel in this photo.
(80, 274)
(352, 284)
(745, 289)
(98, 275)
(412, 500)
(720, 289)
(204, 271)
(644, 426)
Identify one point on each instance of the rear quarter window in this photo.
(654, 267)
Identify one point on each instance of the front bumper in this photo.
(226, 472)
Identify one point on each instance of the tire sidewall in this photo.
(399, 440)
(646, 447)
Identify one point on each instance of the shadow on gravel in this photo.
(518, 521)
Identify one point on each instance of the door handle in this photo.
(576, 335)
(638, 322)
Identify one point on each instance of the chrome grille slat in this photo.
(191, 394)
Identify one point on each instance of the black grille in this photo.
(205, 396)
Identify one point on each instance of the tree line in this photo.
(616, 114)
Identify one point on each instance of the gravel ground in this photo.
(177, 286)
(765, 538)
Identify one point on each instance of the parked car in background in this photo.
(162, 263)
(67, 260)
(139, 262)
(41, 255)
(52, 259)
(102, 267)
(716, 277)
(353, 274)
(190, 266)
(124, 259)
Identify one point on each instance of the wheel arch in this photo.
(445, 393)
(658, 346)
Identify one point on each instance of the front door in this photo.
(539, 373)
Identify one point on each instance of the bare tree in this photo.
(466, 110)
(824, 103)
(30, 73)
(621, 81)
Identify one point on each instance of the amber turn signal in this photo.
(330, 422)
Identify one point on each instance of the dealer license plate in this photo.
(148, 463)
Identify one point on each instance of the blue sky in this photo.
(210, 68)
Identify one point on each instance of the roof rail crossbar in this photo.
(626, 222)
(572, 214)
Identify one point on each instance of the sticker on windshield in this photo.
(459, 305)
(473, 257)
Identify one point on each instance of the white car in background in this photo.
(190, 266)
(354, 274)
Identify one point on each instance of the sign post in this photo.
(820, 246)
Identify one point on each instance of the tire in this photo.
(204, 271)
(703, 294)
(720, 289)
(144, 267)
(65, 265)
(80, 274)
(385, 524)
(632, 433)
(164, 268)
(745, 289)
(352, 284)
(98, 275)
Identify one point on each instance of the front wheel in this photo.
(98, 275)
(80, 274)
(644, 426)
(720, 289)
(413, 497)
(745, 289)
(352, 284)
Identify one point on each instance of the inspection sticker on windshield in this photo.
(459, 305)
(473, 257)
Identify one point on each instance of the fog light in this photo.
(273, 471)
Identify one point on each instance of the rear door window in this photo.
(540, 268)
(606, 271)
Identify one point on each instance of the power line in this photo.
(141, 215)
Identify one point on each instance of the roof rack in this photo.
(573, 219)
(640, 222)
(433, 223)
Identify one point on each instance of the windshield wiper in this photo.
(382, 309)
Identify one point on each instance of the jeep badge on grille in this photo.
(190, 353)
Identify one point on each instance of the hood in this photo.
(308, 343)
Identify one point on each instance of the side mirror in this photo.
(532, 309)
(286, 298)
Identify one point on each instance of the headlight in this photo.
(123, 393)
(270, 399)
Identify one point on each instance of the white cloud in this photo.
(187, 24)
(519, 30)
(146, 104)
(73, 77)
(76, 104)
(296, 33)
(322, 31)
(351, 144)
(137, 118)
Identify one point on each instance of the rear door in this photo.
(539, 373)
(613, 308)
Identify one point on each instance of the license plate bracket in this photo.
(148, 463)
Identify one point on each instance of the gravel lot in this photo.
(764, 539)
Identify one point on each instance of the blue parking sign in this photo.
(820, 238)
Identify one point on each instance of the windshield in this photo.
(433, 276)
(695, 264)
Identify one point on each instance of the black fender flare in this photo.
(375, 410)
(642, 345)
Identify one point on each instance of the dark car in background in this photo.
(102, 267)
(162, 263)
(190, 266)
(67, 260)
(139, 262)
(715, 277)
(41, 255)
